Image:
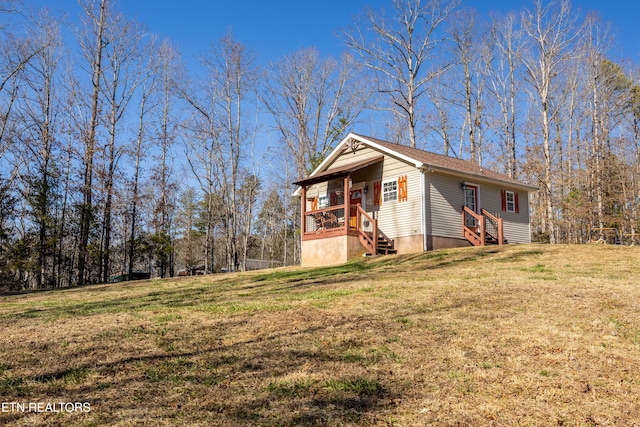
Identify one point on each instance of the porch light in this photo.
(366, 189)
(463, 185)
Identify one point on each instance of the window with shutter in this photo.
(510, 201)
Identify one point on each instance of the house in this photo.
(376, 197)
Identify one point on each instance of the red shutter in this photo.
(503, 193)
(333, 198)
(377, 193)
(515, 202)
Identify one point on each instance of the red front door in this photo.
(356, 199)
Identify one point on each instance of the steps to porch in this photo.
(482, 229)
(384, 246)
(376, 242)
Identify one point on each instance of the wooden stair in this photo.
(385, 246)
(489, 229)
(376, 242)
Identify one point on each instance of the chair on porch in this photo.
(325, 221)
(318, 218)
(330, 220)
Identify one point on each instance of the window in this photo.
(390, 191)
(510, 201)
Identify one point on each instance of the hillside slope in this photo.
(512, 335)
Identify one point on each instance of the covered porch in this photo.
(333, 218)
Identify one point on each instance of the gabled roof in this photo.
(419, 158)
(445, 163)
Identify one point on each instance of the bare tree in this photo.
(442, 118)
(149, 79)
(166, 122)
(400, 53)
(121, 78)
(92, 43)
(37, 111)
(313, 102)
(551, 31)
(15, 54)
(220, 134)
(235, 73)
(472, 47)
(505, 84)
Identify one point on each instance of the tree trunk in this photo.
(86, 209)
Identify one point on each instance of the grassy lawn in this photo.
(516, 335)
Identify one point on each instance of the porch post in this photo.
(347, 205)
(303, 221)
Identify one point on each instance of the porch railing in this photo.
(324, 220)
(477, 228)
(330, 222)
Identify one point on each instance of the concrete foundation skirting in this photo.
(331, 250)
(439, 242)
(409, 244)
(340, 249)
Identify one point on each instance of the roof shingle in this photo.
(446, 163)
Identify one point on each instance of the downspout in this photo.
(423, 205)
(529, 215)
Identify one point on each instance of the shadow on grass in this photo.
(231, 380)
(300, 275)
(69, 308)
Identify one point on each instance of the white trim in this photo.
(478, 198)
(529, 216)
(506, 201)
(394, 180)
(423, 208)
(378, 147)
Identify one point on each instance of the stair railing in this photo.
(369, 241)
(474, 233)
(494, 226)
(476, 227)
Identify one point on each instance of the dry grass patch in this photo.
(516, 335)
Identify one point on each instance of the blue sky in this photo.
(274, 28)
(278, 27)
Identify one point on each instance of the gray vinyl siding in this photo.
(395, 219)
(516, 225)
(444, 211)
(443, 193)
